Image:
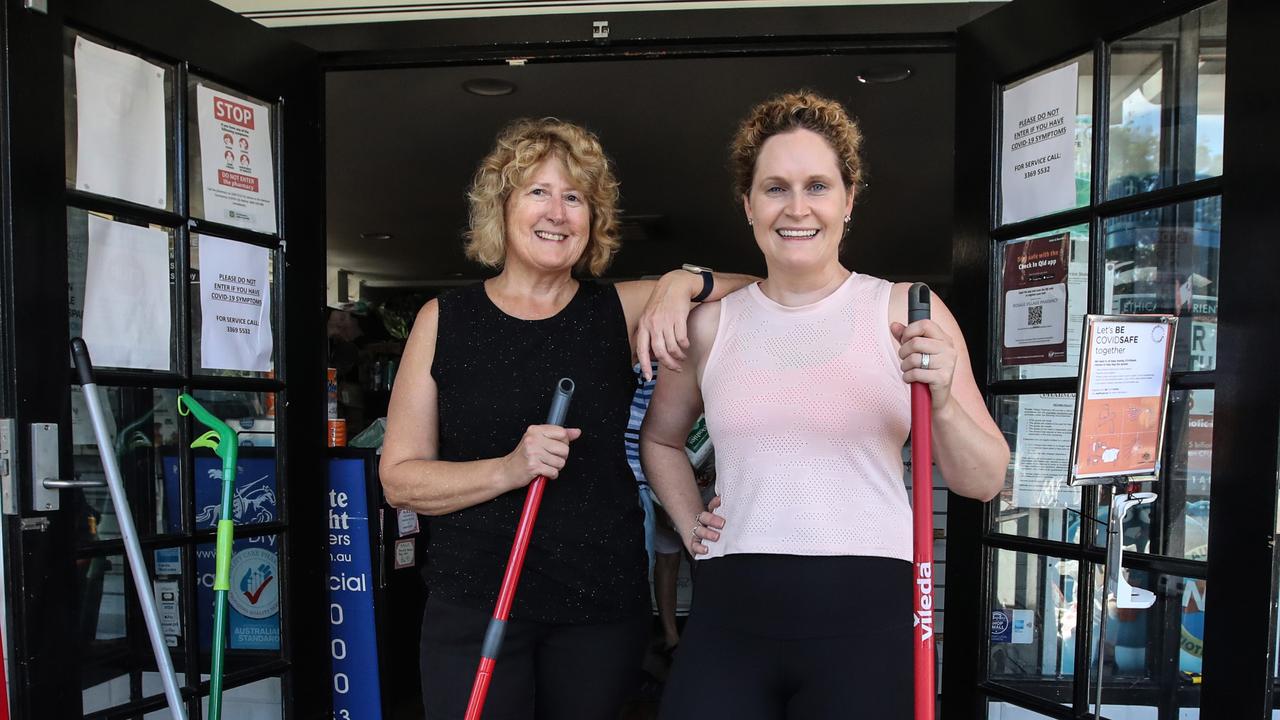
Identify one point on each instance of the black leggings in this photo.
(545, 671)
(774, 637)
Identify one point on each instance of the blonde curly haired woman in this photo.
(478, 368)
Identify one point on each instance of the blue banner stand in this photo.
(353, 633)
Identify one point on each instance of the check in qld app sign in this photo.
(254, 599)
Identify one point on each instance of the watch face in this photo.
(695, 268)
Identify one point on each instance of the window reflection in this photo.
(1165, 260)
(1033, 623)
(1166, 103)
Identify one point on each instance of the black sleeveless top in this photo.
(495, 375)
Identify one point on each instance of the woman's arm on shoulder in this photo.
(657, 311)
(412, 475)
(968, 448)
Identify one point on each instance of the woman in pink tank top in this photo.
(803, 607)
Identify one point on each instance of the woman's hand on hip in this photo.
(927, 355)
(706, 529)
(543, 450)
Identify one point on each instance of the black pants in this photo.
(774, 637)
(545, 671)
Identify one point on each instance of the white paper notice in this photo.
(119, 125)
(1037, 152)
(235, 305)
(1129, 360)
(235, 161)
(126, 296)
(1043, 452)
(407, 522)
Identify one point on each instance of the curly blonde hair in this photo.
(793, 111)
(519, 149)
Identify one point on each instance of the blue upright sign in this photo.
(353, 638)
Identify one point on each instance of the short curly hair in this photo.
(519, 149)
(793, 111)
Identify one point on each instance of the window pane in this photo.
(244, 322)
(1008, 711)
(1035, 501)
(118, 160)
(1152, 648)
(1029, 145)
(1165, 260)
(115, 638)
(106, 285)
(256, 488)
(1177, 523)
(1033, 623)
(239, 185)
(143, 425)
(1034, 302)
(253, 612)
(260, 700)
(1166, 103)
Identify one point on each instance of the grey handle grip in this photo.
(560, 402)
(918, 302)
(84, 366)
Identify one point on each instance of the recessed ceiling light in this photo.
(883, 74)
(376, 236)
(489, 87)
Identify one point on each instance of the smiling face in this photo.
(548, 221)
(797, 202)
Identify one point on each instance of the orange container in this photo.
(338, 433)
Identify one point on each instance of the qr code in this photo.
(1035, 315)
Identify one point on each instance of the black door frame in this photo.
(220, 45)
(1013, 42)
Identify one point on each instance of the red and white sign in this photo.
(237, 173)
(230, 111)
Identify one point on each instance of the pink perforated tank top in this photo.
(808, 414)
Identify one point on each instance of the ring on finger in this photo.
(924, 361)
(694, 532)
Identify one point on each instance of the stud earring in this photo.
(751, 221)
(847, 218)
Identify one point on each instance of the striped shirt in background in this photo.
(631, 439)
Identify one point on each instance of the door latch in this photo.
(8, 466)
(44, 465)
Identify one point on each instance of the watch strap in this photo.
(708, 282)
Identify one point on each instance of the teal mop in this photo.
(222, 439)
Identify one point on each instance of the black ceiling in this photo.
(402, 145)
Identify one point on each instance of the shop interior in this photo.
(397, 209)
(1140, 231)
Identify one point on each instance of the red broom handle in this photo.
(922, 522)
(4, 686)
(515, 563)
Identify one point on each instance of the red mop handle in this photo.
(922, 522)
(515, 563)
